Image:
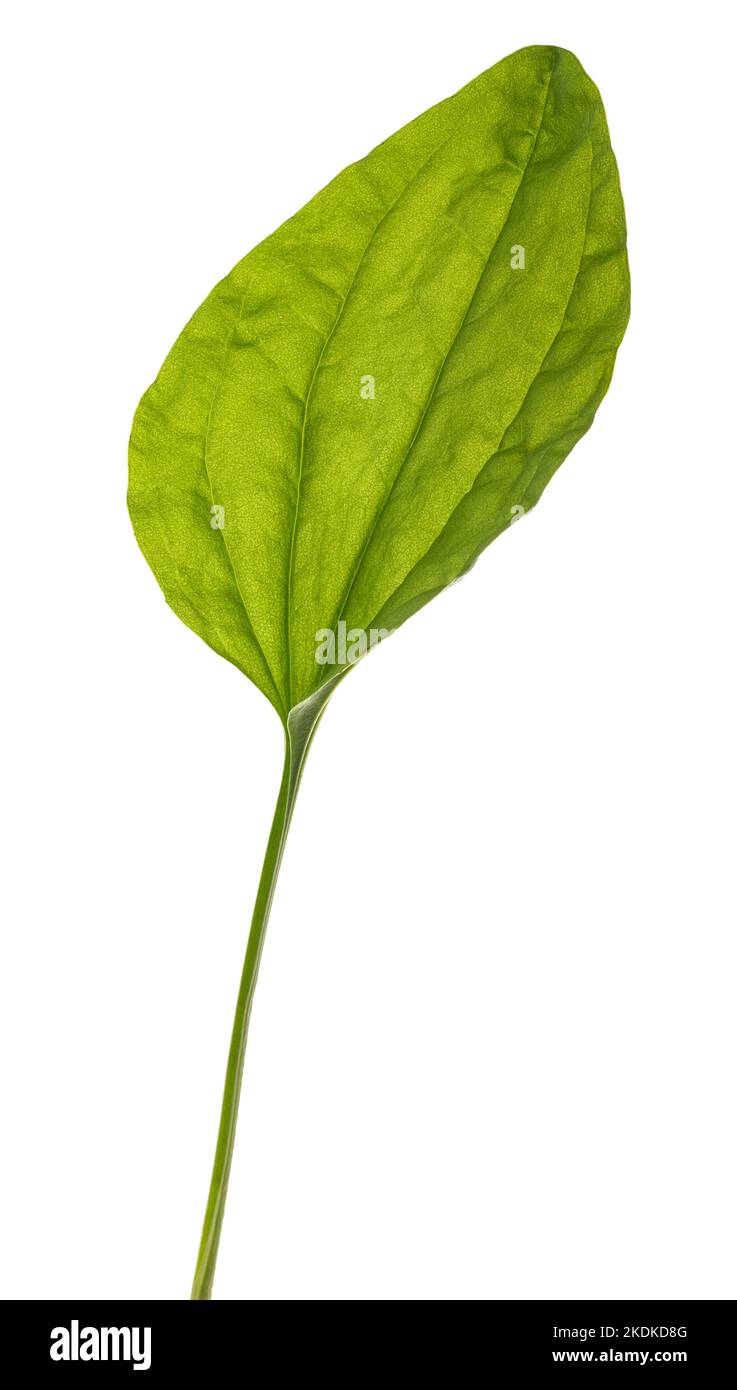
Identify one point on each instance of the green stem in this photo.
(301, 726)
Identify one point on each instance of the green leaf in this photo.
(347, 501)
(374, 393)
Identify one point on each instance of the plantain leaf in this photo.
(372, 391)
(377, 390)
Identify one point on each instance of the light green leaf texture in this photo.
(355, 503)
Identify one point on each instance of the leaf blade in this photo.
(342, 507)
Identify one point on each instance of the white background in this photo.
(492, 1053)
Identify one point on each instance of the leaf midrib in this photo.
(300, 465)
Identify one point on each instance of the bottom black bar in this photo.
(163, 1341)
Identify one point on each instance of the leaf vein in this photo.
(385, 501)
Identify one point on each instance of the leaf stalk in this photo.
(300, 728)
